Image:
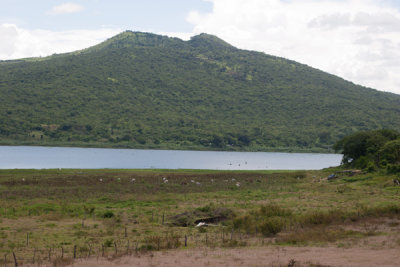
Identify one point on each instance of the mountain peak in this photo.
(128, 39)
(208, 40)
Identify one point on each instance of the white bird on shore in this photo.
(200, 224)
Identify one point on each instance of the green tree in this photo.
(369, 148)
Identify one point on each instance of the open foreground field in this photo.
(148, 218)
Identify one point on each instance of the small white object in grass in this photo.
(133, 179)
(164, 178)
(192, 181)
(101, 180)
(197, 183)
(59, 169)
(165, 181)
(233, 179)
(119, 179)
(212, 180)
(237, 184)
(23, 179)
(200, 224)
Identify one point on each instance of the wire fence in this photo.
(66, 254)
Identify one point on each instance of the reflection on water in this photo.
(28, 157)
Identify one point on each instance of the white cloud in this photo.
(357, 40)
(18, 42)
(66, 8)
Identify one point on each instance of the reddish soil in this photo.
(266, 256)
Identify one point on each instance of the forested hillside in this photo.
(150, 91)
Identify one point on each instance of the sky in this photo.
(358, 40)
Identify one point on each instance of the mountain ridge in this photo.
(150, 91)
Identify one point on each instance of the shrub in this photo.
(272, 226)
(244, 222)
(108, 214)
(320, 217)
(108, 243)
(271, 210)
(206, 208)
(393, 169)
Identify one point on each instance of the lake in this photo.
(31, 157)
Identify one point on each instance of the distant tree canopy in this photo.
(370, 149)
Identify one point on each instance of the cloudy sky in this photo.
(358, 40)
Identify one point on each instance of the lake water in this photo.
(31, 157)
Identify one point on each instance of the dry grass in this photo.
(94, 209)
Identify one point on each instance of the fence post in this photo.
(185, 240)
(62, 252)
(74, 251)
(126, 233)
(27, 239)
(34, 256)
(15, 259)
(116, 248)
(90, 250)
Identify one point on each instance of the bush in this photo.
(370, 167)
(393, 169)
(245, 222)
(108, 214)
(271, 210)
(272, 226)
(108, 243)
(390, 152)
(206, 208)
(320, 217)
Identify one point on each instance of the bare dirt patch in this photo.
(266, 256)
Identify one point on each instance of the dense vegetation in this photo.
(371, 150)
(146, 90)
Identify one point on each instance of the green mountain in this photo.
(149, 91)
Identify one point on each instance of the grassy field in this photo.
(57, 215)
